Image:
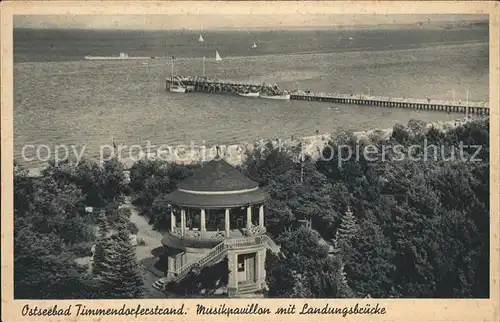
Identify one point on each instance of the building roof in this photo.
(182, 198)
(217, 175)
(217, 185)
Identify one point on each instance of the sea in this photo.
(63, 99)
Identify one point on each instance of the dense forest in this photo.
(53, 227)
(418, 227)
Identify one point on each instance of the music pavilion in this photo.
(217, 213)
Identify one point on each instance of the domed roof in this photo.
(217, 184)
(217, 175)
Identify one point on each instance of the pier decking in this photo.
(208, 85)
(477, 108)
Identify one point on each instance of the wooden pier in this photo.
(207, 85)
(474, 108)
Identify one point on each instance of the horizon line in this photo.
(339, 26)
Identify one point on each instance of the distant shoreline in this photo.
(458, 24)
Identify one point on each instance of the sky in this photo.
(161, 22)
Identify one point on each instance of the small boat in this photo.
(177, 89)
(123, 56)
(250, 94)
(254, 45)
(276, 97)
(200, 39)
(217, 56)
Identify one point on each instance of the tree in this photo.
(101, 184)
(370, 267)
(44, 269)
(417, 127)
(345, 234)
(330, 280)
(48, 219)
(23, 189)
(306, 270)
(58, 207)
(103, 248)
(264, 163)
(51, 225)
(160, 212)
(400, 134)
(298, 190)
(121, 277)
(407, 207)
(151, 180)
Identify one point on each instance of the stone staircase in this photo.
(271, 245)
(247, 287)
(215, 255)
(159, 284)
(211, 257)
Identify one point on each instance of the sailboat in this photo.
(254, 45)
(201, 39)
(217, 56)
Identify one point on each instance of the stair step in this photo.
(247, 288)
(247, 291)
(249, 295)
(159, 284)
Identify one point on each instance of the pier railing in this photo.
(470, 107)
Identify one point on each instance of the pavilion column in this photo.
(249, 218)
(260, 268)
(202, 220)
(232, 263)
(183, 222)
(171, 264)
(172, 220)
(261, 216)
(227, 222)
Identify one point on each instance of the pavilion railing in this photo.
(215, 235)
(255, 230)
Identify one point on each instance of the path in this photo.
(151, 237)
(144, 253)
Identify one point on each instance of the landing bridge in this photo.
(209, 85)
(476, 108)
